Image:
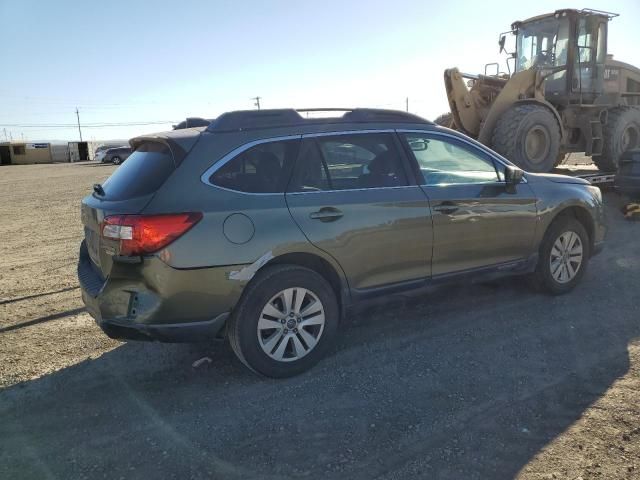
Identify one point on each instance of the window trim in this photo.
(503, 162)
(208, 173)
(204, 178)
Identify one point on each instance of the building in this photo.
(22, 153)
(19, 153)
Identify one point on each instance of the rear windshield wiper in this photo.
(98, 189)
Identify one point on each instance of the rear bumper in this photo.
(177, 332)
(151, 301)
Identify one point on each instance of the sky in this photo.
(124, 62)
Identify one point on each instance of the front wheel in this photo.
(563, 256)
(528, 135)
(116, 161)
(285, 321)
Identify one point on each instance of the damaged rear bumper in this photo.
(150, 300)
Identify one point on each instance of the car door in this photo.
(478, 221)
(350, 194)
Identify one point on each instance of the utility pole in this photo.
(257, 101)
(5, 135)
(407, 104)
(79, 130)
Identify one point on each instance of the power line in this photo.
(87, 125)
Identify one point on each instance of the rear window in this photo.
(141, 174)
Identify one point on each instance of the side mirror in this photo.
(501, 42)
(513, 175)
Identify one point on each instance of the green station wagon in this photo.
(264, 227)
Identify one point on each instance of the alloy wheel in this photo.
(566, 257)
(291, 324)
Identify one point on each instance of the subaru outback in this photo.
(265, 227)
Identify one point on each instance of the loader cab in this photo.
(570, 46)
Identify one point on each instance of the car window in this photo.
(143, 173)
(345, 162)
(261, 169)
(444, 161)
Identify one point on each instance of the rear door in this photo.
(478, 222)
(351, 196)
(127, 191)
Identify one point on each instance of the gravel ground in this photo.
(481, 381)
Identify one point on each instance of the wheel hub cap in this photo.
(536, 144)
(290, 324)
(566, 257)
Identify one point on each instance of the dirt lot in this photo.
(484, 381)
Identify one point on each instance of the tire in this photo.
(545, 277)
(257, 343)
(116, 160)
(621, 133)
(445, 120)
(529, 136)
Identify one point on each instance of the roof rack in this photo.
(593, 11)
(285, 117)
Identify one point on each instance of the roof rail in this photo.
(285, 117)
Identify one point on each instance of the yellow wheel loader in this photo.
(565, 94)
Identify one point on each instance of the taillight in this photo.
(142, 234)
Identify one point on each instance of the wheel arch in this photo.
(321, 266)
(582, 215)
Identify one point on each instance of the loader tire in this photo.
(621, 133)
(445, 120)
(529, 136)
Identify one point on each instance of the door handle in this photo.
(446, 208)
(326, 214)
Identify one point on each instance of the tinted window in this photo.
(349, 162)
(442, 161)
(143, 173)
(261, 169)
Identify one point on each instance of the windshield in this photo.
(543, 42)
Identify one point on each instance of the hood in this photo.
(552, 177)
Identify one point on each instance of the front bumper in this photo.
(151, 301)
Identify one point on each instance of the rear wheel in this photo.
(529, 136)
(116, 160)
(563, 256)
(621, 133)
(285, 321)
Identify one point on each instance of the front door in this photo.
(478, 222)
(351, 196)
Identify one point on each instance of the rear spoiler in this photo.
(178, 142)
